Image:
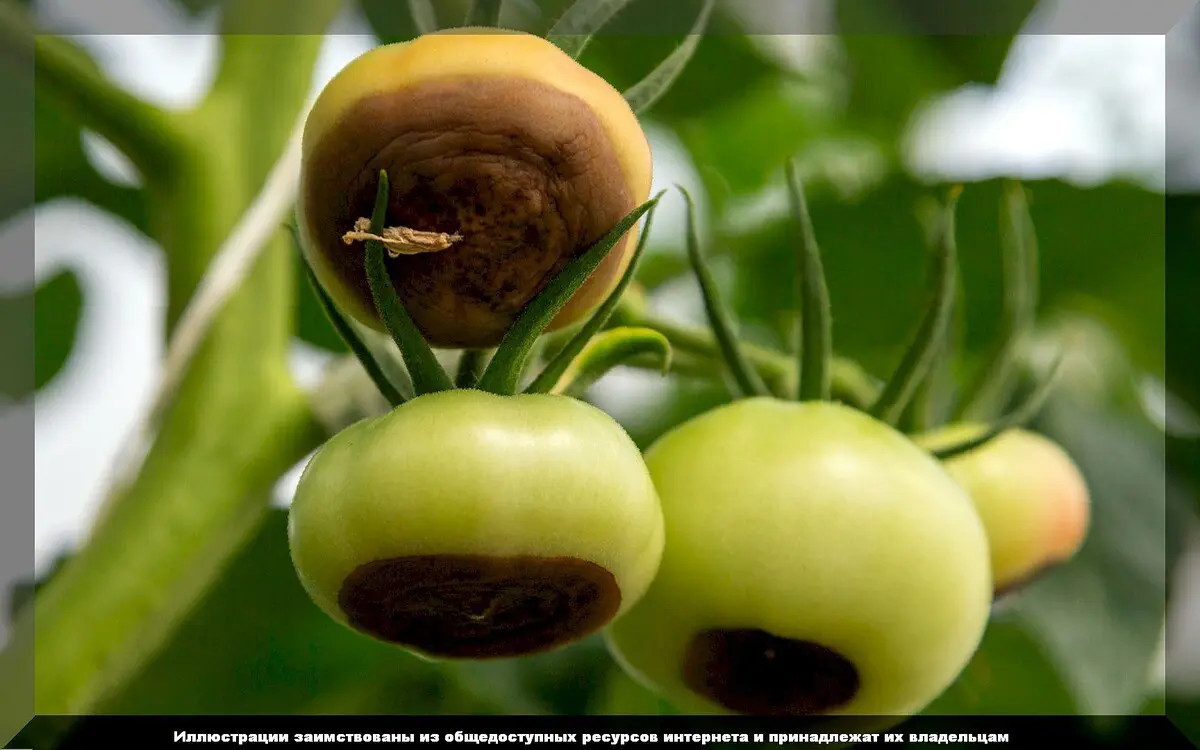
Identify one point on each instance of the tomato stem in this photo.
(996, 379)
(919, 357)
(612, 348)
(815, 331)
(503, 373)
(346, 331)
(1018, 417)
(470, 367)
(484, 13)
(427, 373)
(746, 379)
(563, 359)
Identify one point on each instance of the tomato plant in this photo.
(742, 519)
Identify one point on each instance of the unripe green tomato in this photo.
(817, 562)
(468, 525)
(1031, 496)
(497, 136)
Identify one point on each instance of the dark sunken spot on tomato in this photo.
(524, 172)
(477, 606)
(753, 672)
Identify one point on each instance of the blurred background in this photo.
(1101, 128)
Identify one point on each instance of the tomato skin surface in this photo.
(1033, 499)
(816, 523)
(495, 135)
(523, 481)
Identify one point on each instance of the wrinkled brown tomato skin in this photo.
(499, 137)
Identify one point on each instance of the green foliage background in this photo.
(1075, 642)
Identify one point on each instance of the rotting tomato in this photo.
(469, 525)
(817, 562)
(513, 156)
(1033, 500)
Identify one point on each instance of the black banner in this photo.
(69, 733)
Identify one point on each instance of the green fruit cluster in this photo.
(769, 557)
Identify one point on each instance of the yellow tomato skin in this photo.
(1032, 497)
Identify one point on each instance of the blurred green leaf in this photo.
(60, 168)
(41, 324)
(902, 53)
(1009, 675)
(392, 21)
(1100, 616)
(1182, 312)
(874, 253)
(741, 147)
(623, 696)
(196, 7)
(1184, 713)
(645, 33)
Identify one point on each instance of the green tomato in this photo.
(1033, 500)
(817, 562)
(468, 525)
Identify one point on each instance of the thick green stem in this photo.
(145, 134)
(238, 421)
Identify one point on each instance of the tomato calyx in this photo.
(751, 671)
(479, 606)
(500, 371)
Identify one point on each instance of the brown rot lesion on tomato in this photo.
(751, 671)
(478, 606)
(440, 527)
(500, 141)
